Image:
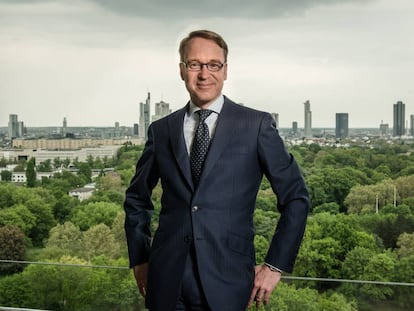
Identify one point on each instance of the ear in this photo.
(225, 71)
(182, 71)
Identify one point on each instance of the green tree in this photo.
(379, 268)
(12, 247)
(20, 216)
(6, 175)
(3, 162)
(405, 245)
(31, 173)
(45, 166)
(57, 162)
(265, 223)
(91, 214)
(404, 272)
(261, 245)
(64, 240)
(118, 229)
(85, 172)
(99, 240)
(331, 207)
(44, 220)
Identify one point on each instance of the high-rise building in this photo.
(412, 125)
(384, 129)
(399, 119)
(13, 126)
(162, 109)
(135, 131)
(276, 118)
(117, 130)
(64, 127)
(295, 128)
(308, 120)
(341, 127)
(144, 117)
(20, 129)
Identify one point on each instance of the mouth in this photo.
(202, 86)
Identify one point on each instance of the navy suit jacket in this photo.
(217, 216)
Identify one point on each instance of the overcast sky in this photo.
(93, 61)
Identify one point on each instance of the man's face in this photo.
(204, 86)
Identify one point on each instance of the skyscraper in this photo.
(135, 131)
(144, 117)
(341, 128)
(412, 125)
(64, 127)
(117, 130)
(13, 126)
(308, 120)
(162, 109)
(295, 128)
(399, 119)
(384, 129)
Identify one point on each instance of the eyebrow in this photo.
(210, 61)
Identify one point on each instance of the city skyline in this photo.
(93, 61)
(405, 124)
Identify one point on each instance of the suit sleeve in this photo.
(288, 184)
(138, 205)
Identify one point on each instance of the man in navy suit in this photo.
(202, 254)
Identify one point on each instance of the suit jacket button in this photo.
(194, 208)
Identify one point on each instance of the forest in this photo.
(360, 229)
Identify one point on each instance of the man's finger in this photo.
(259, 298)
(266, 297)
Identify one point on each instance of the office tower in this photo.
(13, 126)
(412, 125)
(64, 127)
(135, 131)
(162, 109)
(276, 118)
(117, 131)
(399, 119)
(341, 128)
(144, 117)
(384, 129)
(295, 128)
(308, 120)
(20, 129)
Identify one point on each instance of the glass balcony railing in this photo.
(72, 286)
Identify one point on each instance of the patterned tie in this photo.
(200, 145)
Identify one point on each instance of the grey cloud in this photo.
(215, 8)
(174, 9)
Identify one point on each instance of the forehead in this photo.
(200, 48)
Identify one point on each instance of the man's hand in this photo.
(264, 282)
(141, 276)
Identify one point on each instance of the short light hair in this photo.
(205, 34)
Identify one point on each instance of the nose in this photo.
(203, 71)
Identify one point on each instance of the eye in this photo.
(214, 66)
(194, 65)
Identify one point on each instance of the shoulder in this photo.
(173, 117)
(240, 110)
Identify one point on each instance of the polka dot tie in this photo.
(200, 145)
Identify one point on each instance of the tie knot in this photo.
(204, 113)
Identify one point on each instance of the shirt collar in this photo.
(215, 106)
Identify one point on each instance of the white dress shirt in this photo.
(191, 120)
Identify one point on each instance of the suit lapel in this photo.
(224, 131)
(177, 142)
